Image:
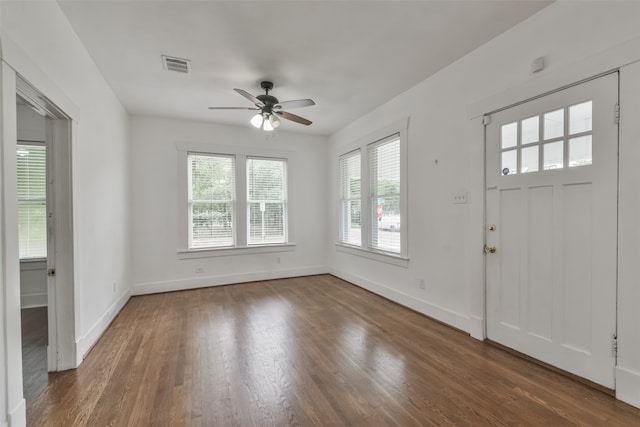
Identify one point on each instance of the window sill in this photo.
(33, 264)
(233, 251)
(388, 258)
(30, 260)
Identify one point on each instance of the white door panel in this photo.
(552, 195)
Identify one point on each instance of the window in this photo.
(211, 200)
(373, 196)
(32, 200)
(553, 140)
(234, 200)
(350, 195)
(384, 166)
(267, 201)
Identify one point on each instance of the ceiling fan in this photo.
(270, 108)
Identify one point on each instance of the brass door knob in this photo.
(489, 249)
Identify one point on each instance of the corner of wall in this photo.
(18, 416)
(86, 342)
(628, 386)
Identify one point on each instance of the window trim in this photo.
(241, 154)
(400, 128)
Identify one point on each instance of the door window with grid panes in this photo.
(552, 140)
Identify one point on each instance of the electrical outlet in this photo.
(199, 270)
(422, 285)
(278, 260)
(114, 287)
(459, 198)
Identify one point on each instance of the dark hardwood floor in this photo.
(34, 351)
(313, 351)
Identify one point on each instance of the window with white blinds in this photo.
(384, 173)
(32, 200)
(234, 200)
(266, 200)
(350, 199)
(211, 199)
(373, 196)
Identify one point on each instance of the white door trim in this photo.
(593, 368)
(61, 351)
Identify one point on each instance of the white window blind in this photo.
(384, 172)
(267, 200)
(350, 198)
(32, 201)
(211, 192)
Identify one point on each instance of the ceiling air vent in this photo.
(176, 64)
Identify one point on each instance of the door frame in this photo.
(486, 120)
(61, 350)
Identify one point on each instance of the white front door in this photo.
(551, 200)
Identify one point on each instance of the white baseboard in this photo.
(18, 416)
(628, 386)
(452, 318)
(33, 300)
(476, 327)
(204, 282)
(84, 343)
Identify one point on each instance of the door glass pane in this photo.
(580, 118)
(509, 162)
(530, 130)
(509, 135)
(553, 155)
(580, 151)
(529, 159)
(554, 124)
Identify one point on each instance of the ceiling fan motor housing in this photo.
(268, 100)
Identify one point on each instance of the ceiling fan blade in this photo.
(233, 108)
(293, 118)
(250, 97)
(296, 103)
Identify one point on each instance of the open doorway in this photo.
(31, 166)
(44, 202)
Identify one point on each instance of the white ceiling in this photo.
(348, 56)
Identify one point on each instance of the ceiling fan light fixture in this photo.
(267, 125)
(257, 120)
(274, 120)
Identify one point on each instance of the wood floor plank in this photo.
(312, 351)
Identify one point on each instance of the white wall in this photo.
(578, 40)
(156, 206)
(54, 60)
